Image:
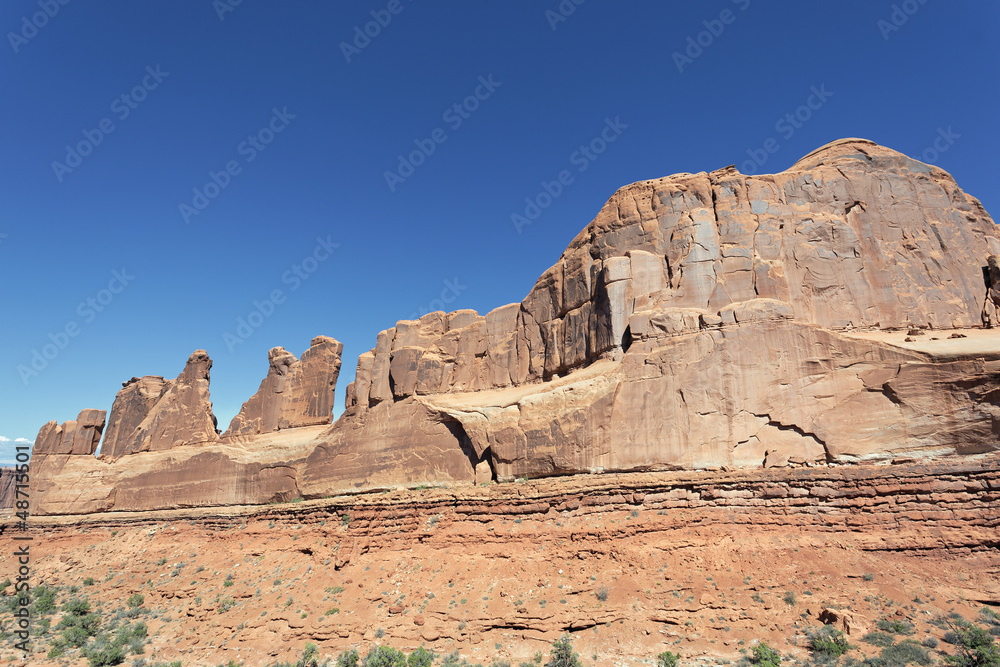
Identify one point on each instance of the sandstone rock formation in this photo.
(700, 321)
(152, 414)
(8, 488)
(79, 436)
(295, 393)
(132, 404)
(704, 320)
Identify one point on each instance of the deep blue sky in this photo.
(324, 173)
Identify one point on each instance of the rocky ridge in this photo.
(701, 320)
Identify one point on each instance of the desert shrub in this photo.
(789, 598)
(894, 627)
(384, 656)
(348, 658)
(44, 600)
(906, 652)
(75, 636)
(602, 593)
(109, 653)
(828, 643)
(869, 576)
(310, 656)
(879, 639)
(930, 642)
(765, 656)
(667, 659)
(135, 601)
(76, 607)
(562, 653)
(421, 657)
(976, 647)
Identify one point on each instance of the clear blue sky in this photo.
(326, 127)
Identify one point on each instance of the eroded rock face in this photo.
(718, 300)
(132, 404)
(153, 414)
(854, 235)
(79, 436)
(700, 321)
(295, 392)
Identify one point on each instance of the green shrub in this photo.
(976, 647)
(765, 656)
(562, 654)
(421, 657)
(310, 656)
(135, 601)
(829, 643)
(384, 656)
(667, 659)
(75, 636)
(110, 653)
(89, 581)
(879, 639)
(77, 607)
(906, 652)
(894, 627)
(45, 600)
(348, 658)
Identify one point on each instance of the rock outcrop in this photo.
(700, 321)
(153, 414)
(8, 488)
(132, 404)
(706, 319)
(79, 436)
(295, 392)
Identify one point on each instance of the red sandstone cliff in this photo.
(701, 320)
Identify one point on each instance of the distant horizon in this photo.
(371, 165)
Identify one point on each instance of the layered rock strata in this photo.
(700, 321)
